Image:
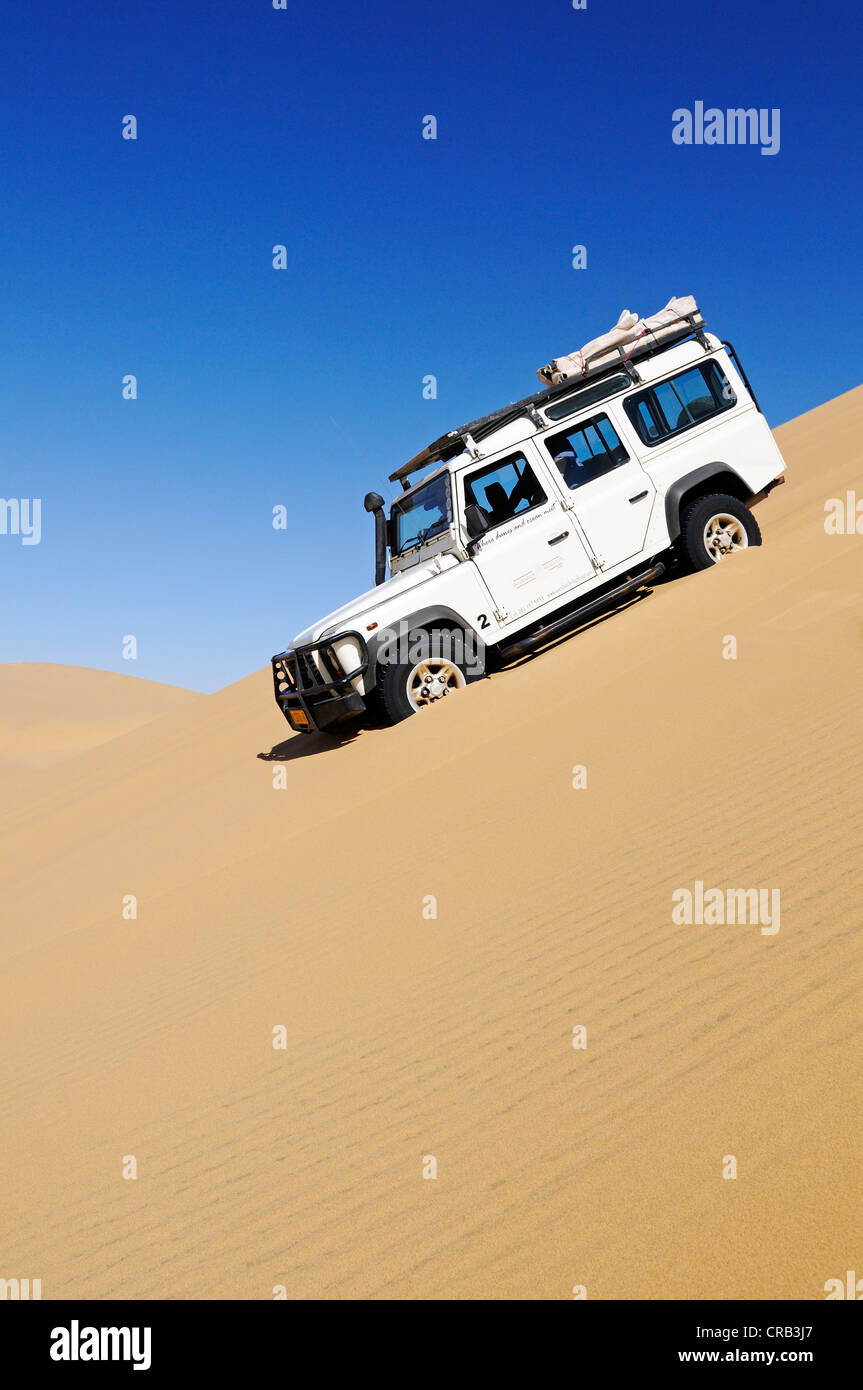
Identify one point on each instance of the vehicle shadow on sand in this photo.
(311, 745)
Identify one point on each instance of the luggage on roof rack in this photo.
(608, 350)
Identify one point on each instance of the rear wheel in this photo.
(715, 526)
(436, 666)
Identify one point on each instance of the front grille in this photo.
(310, 676)
(319, 694)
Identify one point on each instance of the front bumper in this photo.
(314, 697)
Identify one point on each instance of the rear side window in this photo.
(679, 403)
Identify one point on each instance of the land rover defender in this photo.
(526, 522)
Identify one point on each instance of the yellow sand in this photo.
(49, 713)
(410, 1036)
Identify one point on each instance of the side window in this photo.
(680, 402)
(587, 451)
(647, 420)
(504, 489)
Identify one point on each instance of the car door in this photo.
(532, 552)
(610, 493)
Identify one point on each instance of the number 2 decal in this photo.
(483, 621)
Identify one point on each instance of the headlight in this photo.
(347, 649)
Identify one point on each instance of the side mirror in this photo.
(476, 521)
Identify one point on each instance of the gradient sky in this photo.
(303, 387)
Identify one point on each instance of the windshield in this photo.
(426, 513)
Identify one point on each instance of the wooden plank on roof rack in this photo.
(446, 446)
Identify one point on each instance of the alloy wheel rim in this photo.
(723, 534)
(432, 680)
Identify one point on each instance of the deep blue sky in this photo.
(406, 257)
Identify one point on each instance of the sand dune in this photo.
(302, 906)
(49, 712)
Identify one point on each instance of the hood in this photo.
(349, 614)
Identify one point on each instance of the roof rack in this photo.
(467, 437)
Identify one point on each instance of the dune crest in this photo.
(50, 712)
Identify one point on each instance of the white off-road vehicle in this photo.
(651, 447)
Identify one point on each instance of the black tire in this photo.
(697, 516)
(436, 648)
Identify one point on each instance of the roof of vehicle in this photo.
(454, 442)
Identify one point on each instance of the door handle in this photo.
(555, 540)
(639, 496)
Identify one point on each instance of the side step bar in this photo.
(535, 639)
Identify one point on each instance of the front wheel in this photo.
(715, 526)
(436, 666)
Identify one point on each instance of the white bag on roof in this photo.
(629, 328)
